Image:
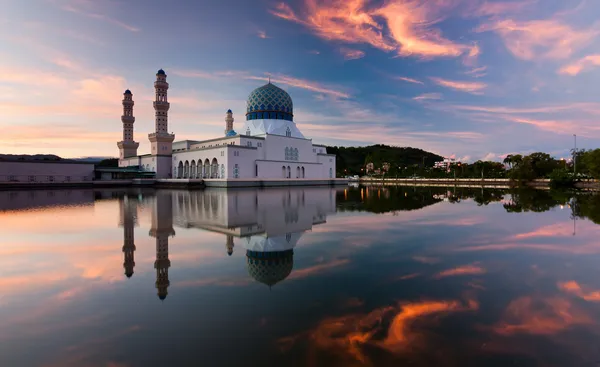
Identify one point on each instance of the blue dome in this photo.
(231, 133)
(269, 102)
(229, 111)
(127, 91)
(161, 72)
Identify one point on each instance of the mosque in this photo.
(268, 146)
(266, 224)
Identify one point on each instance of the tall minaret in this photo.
(229, 123)
(128, 222)
(160, 140)
(229, 245)
(162, 228)
(127, 147)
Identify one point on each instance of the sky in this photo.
(471, 79)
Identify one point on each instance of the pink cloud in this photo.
(410, 80)
(428, 97)
(462, 86)
(488, 8)
(351, 54)
(477, 72)
(549, 38)
(262, 34)
(461, 270)
(86, 8)
(409, 25)
(580, 65)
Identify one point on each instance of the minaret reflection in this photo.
(162, 228)
(128, 220)
(269, 223)
(229, 245)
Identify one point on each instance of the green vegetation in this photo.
(110, 162)
(350, 160)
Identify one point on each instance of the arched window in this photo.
(287, 153)
(295, 154)
(288, 132)
(297, 172)
(330, 172)
(222, 170)
(289, 172)
(236, 171)
(302, 171)
(180, 170)
(283, 172)
(248, 131)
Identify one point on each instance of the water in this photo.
(299, 277)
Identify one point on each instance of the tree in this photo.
(591, 160)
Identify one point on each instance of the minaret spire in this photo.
(162, 228)
(229, 124)
(127, 147)
(160, 139)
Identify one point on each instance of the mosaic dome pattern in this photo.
(269, 102)
(270, 268)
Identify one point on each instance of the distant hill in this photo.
(353, 159)
(28, 157)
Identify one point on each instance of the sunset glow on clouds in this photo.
(420, 73)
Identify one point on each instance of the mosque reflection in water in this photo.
(268, 224)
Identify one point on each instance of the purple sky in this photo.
(471, 78)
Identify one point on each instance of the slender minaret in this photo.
(229, 245)
(162, 228)
(229, 123)
(127, 147)
(128, 222)
(160, 140)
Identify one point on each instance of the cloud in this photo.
(462, 86)
(540, 316)
(549, 38)
(351, 54)
(262, 34)
(580, 65)
(574, 288)
(314, 52)
(488, 8)
(394, 329)
(275, 78)
(86, 8)
(409, 25)
(461, 270)
(477, 72)
(428, 96)
(410, 80)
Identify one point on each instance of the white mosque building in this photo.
(268, 147)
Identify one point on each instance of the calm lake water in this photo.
(357, 276)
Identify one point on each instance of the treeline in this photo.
(350, 160)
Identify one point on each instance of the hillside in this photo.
(353, 159)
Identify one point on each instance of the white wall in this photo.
(45, 172)
(328, 165)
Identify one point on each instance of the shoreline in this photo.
(497, 183)
(173, 183)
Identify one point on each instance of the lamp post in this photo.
(575, 155)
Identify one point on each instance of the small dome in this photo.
(127, 91)
(231, 133)
(162, 296)
(229, 111)
(161, 72)
(269, 102)
(270, 267)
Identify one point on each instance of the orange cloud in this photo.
(550, 38)
(351, 54)
(461, 270)
(426, 260)
(578, 66)
(540, 316)
(409, 25)
(574, 288)
(488, 8)
(469, 87)
(348, 336)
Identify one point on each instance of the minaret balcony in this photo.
(161, 84)
(159, 105)
(128, 119)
